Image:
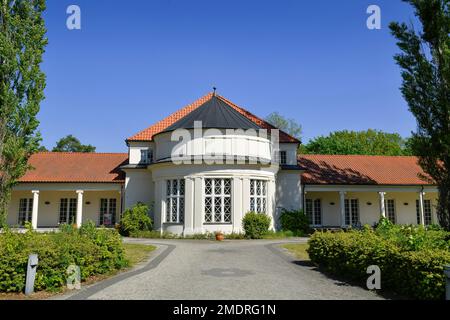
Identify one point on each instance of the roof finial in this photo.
(214, 93)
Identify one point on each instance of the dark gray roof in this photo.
(214, 113)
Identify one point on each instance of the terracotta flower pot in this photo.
(219, 236)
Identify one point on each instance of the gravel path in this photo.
(189, 269)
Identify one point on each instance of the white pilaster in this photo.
(237, 194)
(79, 219)
(34, 212)
(342, 207)
(421, 208)
(271, 204)
(382, 204)
(189, 206)
(199, 205)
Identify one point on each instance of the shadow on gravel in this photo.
(345, 282)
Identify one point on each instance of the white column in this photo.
(34, 212)
(199, 205)
(421, 210)
(189, 206)
(302, 197)
(342, 207)
(79, 208)
(162, 202)
(237, 197)
(382, 204)
(157, 222)
(271, 204)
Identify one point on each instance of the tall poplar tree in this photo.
(22, 43)
(425, 64)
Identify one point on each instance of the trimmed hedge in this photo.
(255, 225)
(135, 219)
(413, 273)
(295, 221)
(95, 251)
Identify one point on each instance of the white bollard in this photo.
(31, 273)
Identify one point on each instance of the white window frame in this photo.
(146, 156)
(25, 210)
(71, 203)
(388, 213)
(352, 217)
(427, 212)
(316, 218)
(111, 208)
(258, 202)
(175, 203)
(282, 156)
(225, 217)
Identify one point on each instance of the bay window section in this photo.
(217, 200)
(258, 196)
(175, 201)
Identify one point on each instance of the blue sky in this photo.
(134, 62)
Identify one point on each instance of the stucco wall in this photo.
(139, 187)
(288, 190)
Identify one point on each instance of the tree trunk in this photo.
(443, 209)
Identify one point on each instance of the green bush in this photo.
(414, 273)
(295, 221)
(135, 219)
(255, 225)
(95, 251)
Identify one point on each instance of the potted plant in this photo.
(219, 235)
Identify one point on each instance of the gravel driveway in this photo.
(189, 269)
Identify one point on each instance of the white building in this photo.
(199, 180)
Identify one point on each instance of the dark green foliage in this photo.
(411, 259)
(95, 251)
(255, 225)
(22, 83)
(370, 142)
(295, 221)
(425, 69)
(72, 144)
(135, 219)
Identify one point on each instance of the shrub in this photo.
(295, 221)
(414, 273)
(95, 251)
(135, 219)
(255, 225)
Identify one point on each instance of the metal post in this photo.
(447, 287)
(31, 273)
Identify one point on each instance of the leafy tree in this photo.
(425, 65)
(290, 126)
(72, 144)
(22, 44)
(370, 142)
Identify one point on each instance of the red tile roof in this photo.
(147, 134)
(75, 167)
(359, 169)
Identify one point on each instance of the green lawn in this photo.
(136, 253)
(298, 249)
